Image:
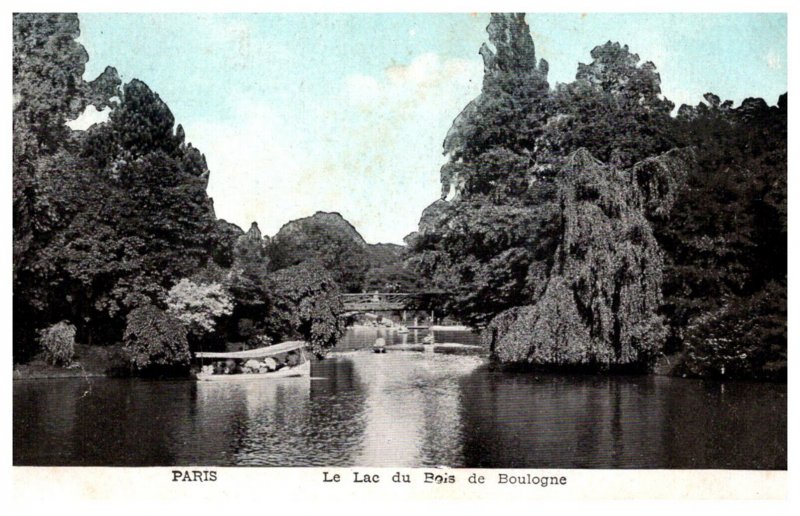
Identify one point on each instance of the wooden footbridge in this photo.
(389, 301)
(379, 302)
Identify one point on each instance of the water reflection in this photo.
(291, 421)
(99, 422)
(739, 425)
(45, 411)
(557, 421)
(412, 410)
(403, 409)
(263, 420)
(137, 423)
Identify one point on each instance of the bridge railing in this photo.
(379, 301)
(379, 297)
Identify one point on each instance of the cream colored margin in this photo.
(74, 485)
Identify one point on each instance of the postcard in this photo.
(467, 255)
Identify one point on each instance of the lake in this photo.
(403, 408)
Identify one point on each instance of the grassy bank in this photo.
(89, 361)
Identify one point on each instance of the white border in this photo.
(294, 488)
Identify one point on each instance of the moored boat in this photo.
(257, 358)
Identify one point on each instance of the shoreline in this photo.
(88, 362)
(105, 362)
(57, 375)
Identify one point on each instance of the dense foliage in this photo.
(155, 340)
(48, 90)
(108, 218)
(582, 224)
(198, 306)
(58, 343)
(113, 229)
(726, 241)
(305, 304)
(327, 239)
(745, 337)
(598, 303)
(586, 225)
(481, 245)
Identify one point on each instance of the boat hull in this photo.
(300, 371)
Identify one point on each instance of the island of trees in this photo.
(582, 225)
(585, 226)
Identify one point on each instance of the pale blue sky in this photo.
(303, 112)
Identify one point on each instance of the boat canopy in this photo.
(268, 351)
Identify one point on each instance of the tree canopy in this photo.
(585, 224)
(580, 224)
(329, 240)
(305, 303)
(114, 231)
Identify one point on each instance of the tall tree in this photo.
(614, 108)
(526, 231)
(104, 219)
(305, 304)
(145, 220)
(598, 305)
(49, 90)
(483, 240)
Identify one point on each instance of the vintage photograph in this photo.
(409, 240)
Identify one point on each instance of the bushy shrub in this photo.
(746, 338)
(58, 343)
(155, 339)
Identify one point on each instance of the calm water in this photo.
(404, 409)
